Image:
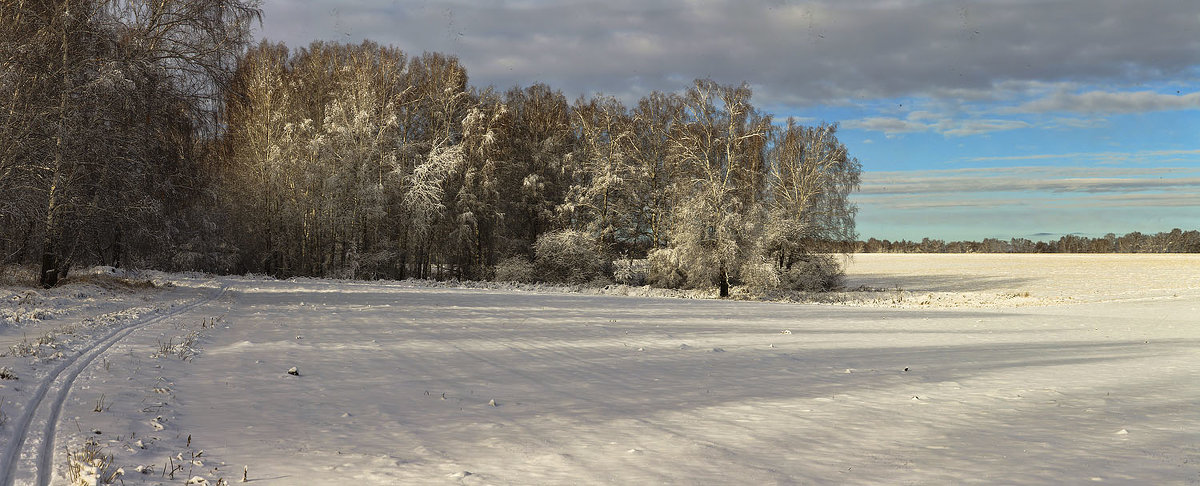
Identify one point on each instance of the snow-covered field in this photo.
(943, 369)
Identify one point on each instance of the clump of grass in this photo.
(184, 349)
(165, 349)
(26, 348)
(7, 373)
(99, 404)
(211, 322)
(91, 466)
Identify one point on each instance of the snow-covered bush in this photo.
(814, 273)
(631, 272)
(567, 256)
(514, 269)
(664, 269)
(760, 277)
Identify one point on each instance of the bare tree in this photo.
(811, 178)
(118, 82)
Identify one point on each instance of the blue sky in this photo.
(972, 119)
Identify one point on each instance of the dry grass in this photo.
(18, 275)
(26, 276)
(27, 348)
(90, 465)
(109, 282)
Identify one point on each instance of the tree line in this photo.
(1174, 241)
(147, 133)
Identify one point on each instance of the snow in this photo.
(1091, 377)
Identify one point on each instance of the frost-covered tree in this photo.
(811, 178)
(256, 113)
(434, 104)
(475, 214)
(361, 135)
(113, 96)
(717, 148)
(534, 181)
(599, 200)
(651, 122)
(425, 201)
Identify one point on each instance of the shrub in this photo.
(514, 269)
(18, 275)
(814, 273)
(760, 277)
(664, 269)
(7, 373)
(631, 272)
(567, 256)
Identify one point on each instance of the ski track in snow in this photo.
(57, 386)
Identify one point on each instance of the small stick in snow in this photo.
(245, 473)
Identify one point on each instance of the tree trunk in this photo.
(118, 251)
(724, 283)
(49, 273)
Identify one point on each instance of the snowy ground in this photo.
(950, 369)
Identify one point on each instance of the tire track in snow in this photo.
(57, 386)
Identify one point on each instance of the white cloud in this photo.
(970, 183)
(1108, 102)
(926, 121)
(964, 128)
(889, 126)
(1139, 157)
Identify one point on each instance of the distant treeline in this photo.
(1174, 241)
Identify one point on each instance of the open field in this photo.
(1094, 376)
(1007, 280)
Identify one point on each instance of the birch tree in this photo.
(651, 124)
(256, 114)
(435, 103)
(811, 179)
(717, 145)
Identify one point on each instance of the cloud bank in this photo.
(794, 53)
